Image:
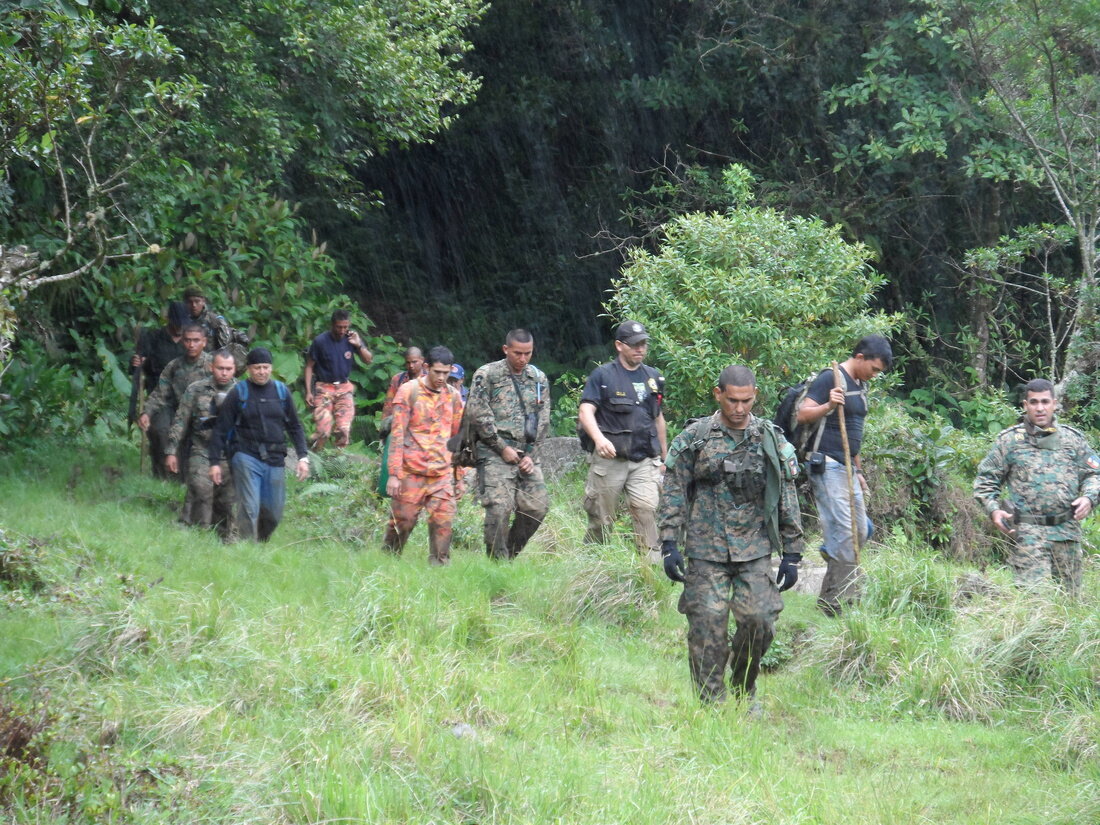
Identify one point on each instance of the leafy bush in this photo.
(782, 295)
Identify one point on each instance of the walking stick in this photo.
(839, 382)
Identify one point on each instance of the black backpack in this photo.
(804, 438)
(463, 444)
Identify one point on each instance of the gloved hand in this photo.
(788, 571)
(674, 562)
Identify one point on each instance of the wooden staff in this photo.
(839, 382)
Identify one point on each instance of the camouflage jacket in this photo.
(195, 416)
(1040, 474)
(716, 492)
(498, 413)
(174, 381)
(218, 332)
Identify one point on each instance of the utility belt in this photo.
(1043, 520)
(333, 384)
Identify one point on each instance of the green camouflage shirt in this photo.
(498, 414)
(195, 415)
(1039, 474)
(218, 332)
(174, 381)
(714, 492)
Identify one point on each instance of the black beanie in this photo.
(260, 355)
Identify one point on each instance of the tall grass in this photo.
(317, 680)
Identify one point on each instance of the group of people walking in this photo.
(711, 507)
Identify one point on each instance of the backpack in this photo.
(803, 438)
(242, 402)
(463, 444)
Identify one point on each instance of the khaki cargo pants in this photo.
(608, 479)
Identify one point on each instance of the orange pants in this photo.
(436, 494)
(333, 407)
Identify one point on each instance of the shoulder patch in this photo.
(1093, 462)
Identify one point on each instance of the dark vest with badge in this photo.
(629, 404)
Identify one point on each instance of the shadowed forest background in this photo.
(462, 169)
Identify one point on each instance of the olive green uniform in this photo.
(208, 504)
(500, 401)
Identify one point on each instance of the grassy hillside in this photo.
(149, 674)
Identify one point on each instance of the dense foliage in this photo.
(749, 286)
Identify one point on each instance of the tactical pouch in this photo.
(816, 463)
(530, 427)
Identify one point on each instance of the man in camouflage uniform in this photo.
(182, 372)
(729, 492)
(219, 335)
(510, 404)
(209, 504)
(1040, 480)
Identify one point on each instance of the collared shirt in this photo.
(498, 410)
(423, 420)
(333, 358)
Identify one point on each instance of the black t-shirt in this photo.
(855, 411)
(628, 403)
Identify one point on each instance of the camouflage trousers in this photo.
(504, 491)
(159, 425)
(1035, 558)
(333, 408)
(209, 504)
(608, 479)
(714, 590)
(436, 494)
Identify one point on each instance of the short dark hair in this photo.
(193, 328)
(518, 336)
(222, 353)
(440, 355)
(736, 375)
(1038, 385)
(874, 346)
(340, 315)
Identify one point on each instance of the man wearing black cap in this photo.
(252, 426)
(623, 427)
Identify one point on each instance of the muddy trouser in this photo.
(436, 494)
(504, 491)
(841, 583)
(211, 505)
(333, 408)
(607, 479)
(261, 491)
(712, 592)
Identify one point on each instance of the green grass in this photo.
(169, 678)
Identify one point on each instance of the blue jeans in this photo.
(841, 582)
(261, 491)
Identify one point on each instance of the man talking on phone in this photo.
(329, 393)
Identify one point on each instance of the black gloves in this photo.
(788, 571)
(674, 562)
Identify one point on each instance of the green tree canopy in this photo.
(782, 295)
